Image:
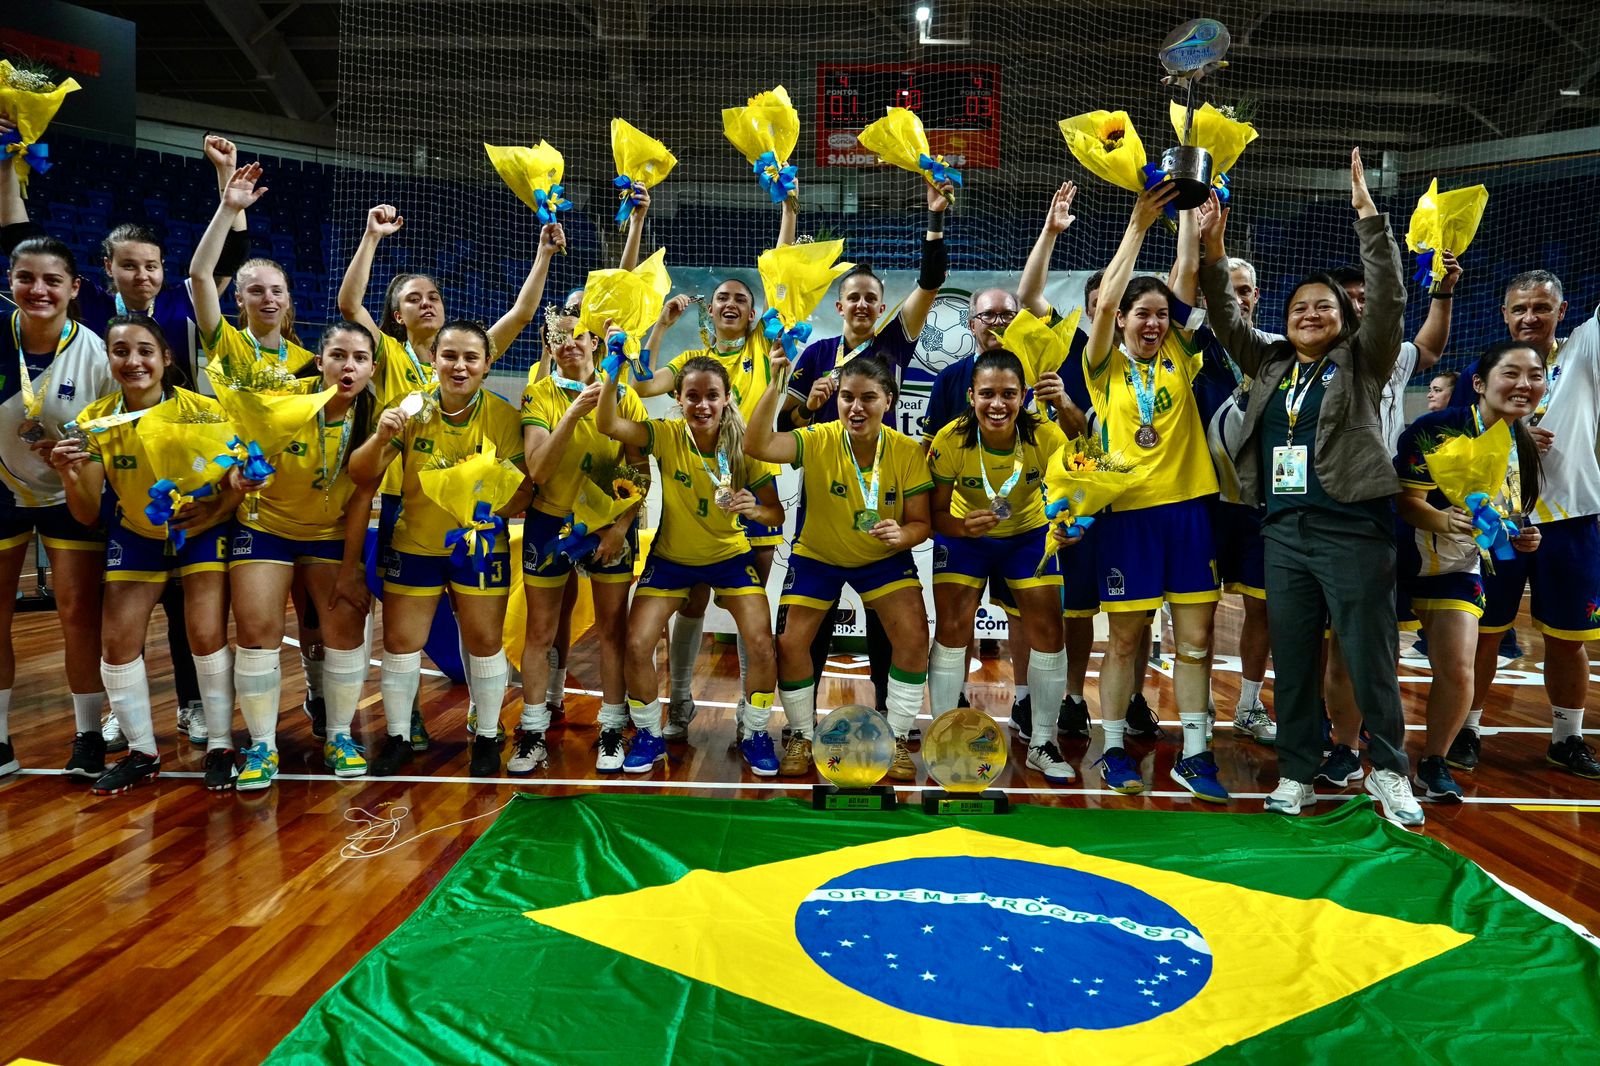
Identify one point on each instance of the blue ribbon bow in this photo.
(165, 502)
(572, 545)
(780, 182)
(1424, 268)
(1220, 183)
(934, 166)
(1494, 532)
(476, 539)
(36, 155)
(253, 467)
(615, 354)
(550, 204)
(629, 191)
(792, 340)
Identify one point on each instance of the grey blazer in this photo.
(1352, 461)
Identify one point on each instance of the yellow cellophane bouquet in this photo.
(642, 162)
(629, 300)
(30, 98)
(1224, 137)
(1081, 480)
(189, 451)
(1106, 143)
(1462, 466)
(470, 491)
(899, 139)
(766, 130)
(534, 174)
(1444, 222)
(795, 278)
(1042, 348)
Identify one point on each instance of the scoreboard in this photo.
(959, 105)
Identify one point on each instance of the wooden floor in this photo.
(200, 927)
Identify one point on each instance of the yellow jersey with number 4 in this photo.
(308, 495)
(1181, 459)
(543, 404)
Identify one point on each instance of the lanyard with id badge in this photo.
(1289, 460)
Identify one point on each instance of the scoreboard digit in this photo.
(959, 105)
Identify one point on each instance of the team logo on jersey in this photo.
(889, 496)
(1115, 586)
(298, 447)
(67, 389)
(838, 490)
(125, 462)
(422, 444)
(683, 479)
(1327, 375)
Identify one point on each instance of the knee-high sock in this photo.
(85, 710)
(128, 690)
(947, 671)
(1047, 679)
(683, 648)
(555, 689)
(646, 716)
(904, 699)
(800, 707)
(214, 673)
(755, 713)
(615, 716)
(312, 660)
(258, 680)
(399, 680)
(486, 681)
(343, 673)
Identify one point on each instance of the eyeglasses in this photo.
(994, 318)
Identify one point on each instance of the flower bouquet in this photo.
(1042, 348)
(642, 162)
(899, 140)
(1444, 222)
(766, 131)
(604, 498)
(470, 491)
(629, 301)
(30, 96)
(1106, 143)
(1470, 472)
(1081, 480)
(183, 443)
(534, 174)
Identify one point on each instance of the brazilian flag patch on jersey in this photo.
(837, 489)
(298, 447)
(125, 462)
(683, 479)
(969, 483)
(422, 444)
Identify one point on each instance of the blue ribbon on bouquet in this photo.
(166, 501)
(575, 543)
(36, 155)
(629, 191)
(253, 467)
(793, 339)
(1076, 527)
(1494, 531)
(476, 539)
(779, 182)
(1424, 266)
(550, 204)
(934, 166)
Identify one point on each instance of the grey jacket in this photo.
(1352, 462)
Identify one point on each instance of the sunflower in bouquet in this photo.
(1082, 479)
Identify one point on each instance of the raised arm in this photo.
(381, 222)
(12, 208)
(224, 157)
(1248, 347)
(761, 441)
(505, 331)
(788, 222)
(630, 247)
(935, 262)
(613, 423)
(1146, 209)
(1434, 335)
(1182, 278)
(659, 384)
(1036, 272)
(1377, 342)
(240, 193)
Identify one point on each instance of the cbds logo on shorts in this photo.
(242, 540)
(125, 462)
(838, 490)
(1115, 584)
(941, 556)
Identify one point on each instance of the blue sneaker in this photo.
(1198, 774)
(1120, 773)
(647, 750)
(1433, 777)
(758, 754)
(1342, 768)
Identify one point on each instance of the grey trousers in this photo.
(1326, 568)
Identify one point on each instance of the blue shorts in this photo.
(1008, 561)
(813, 583)
(1080, 593)
(736, 576)
(541, 529)
(405, 574)
(131, 557)
(761, 536)
(55, 525)
(259, 546)
(1156, 553)
(1565, 575)
(1441, 592)
(1241, 553)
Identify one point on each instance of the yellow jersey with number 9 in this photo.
(833, 492)
(439, 443)
(543, 405)
(694, 530)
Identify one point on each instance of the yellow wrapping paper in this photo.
(630, 300)
(639, 157)
(528, 172)
(1225, 138)
(797, 276)
(596, 508)
(458, 488)
(1106, 143)
(1041, 348)
(1446, 222)
(1071, 478)
(1464, 465)
(184, 452)
(270, 419)
(32, 112)
(767, 123)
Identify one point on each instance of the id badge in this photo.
(1289, 469)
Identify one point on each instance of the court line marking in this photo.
(1553, 807)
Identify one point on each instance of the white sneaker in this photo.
(611, 754)
(528, 752)
(1046, 759)
(197, 723)
(111, 732)
(1289, 797)
(679, 714)
(1393, 792)
(1254, 722)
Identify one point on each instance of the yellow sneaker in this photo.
(343, 756)
(901, 768)
(796, 761)
(260, 767)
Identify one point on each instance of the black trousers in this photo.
(878, 653)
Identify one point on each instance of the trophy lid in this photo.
(1195, 49)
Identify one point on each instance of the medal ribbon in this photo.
(724, 476)
(416, 364)
(565, 383)
(118, 417)
(283, 347)
(1294, 396)
(1552, 375)
(1144, 392)
(1016, 471)
(122, 308)
(869, 493)
(33, 401)
(1513, 484)
(322, 449)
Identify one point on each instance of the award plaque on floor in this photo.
(965, 750)
(853, 749)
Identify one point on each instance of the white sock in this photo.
(486, 681)
(535, 717)
(1194, 732)
(1021, 692)
(214, 673)
(343, 674)
(312, 659)
(399, 680)
(947, 671)
(646, 716)
(555, 689)
(1114, 731)
(904, 703)
(5, 716)
(1249, 694)
(744, 659)
(800, 708)
(85, 709)
(615, 716)
(1047, 675)
(1474, 720)
(683, 648)
(755, 713)
(257, 679)
(1565, 722)
(128, 690)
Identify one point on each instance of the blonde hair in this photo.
(250, 266)
(730, 428)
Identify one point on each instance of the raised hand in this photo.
(241, 191)
(552, 239)
(224, 155)
(1060, 215)
(674, 309)
(384, 221)
(1152, 203)
(1452, 274)
(940, 196)
(1360, 198)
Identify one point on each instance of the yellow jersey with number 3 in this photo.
(1181, 467)
(694, 530)
(833, 494)
(439, 443)
(543, 405)
(962, 468)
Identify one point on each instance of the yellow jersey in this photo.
(833, 492)
(543, 404)
(1180, 460)
(437, 443)
(749, 370)
(239, 351)
(694, 530)
(396, 374)
(129, 472)
(307, 497)
(964, 469)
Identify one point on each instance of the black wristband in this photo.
(1441, 296)
(935, 221)
(235, 250)
(935, 265)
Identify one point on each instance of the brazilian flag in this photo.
(635, 929)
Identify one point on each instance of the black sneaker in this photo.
(10, 765)
(1073, 721)
(395, 754)
(485, 757)
(1141, 720)
(961, 700)
(1575, 756)
(1433, 777)
(1022, 717)
(221, 767)
(317, 711)
(1464, 750)
(133, 769)
(88, 755)
(1342, 768)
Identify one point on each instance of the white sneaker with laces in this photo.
(111, 732)
(1393, 792)
(197, 724)
(679, 714)
(611, 753)
(1289, 797)
(1254, 722)
(1046, 759)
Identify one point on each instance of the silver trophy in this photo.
(1189, 53)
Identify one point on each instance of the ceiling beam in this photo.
(275, 65)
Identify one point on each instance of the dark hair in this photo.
(1006, 363)
(45, 246)
(391, 303)
(286, 325)
(1449, 375)
(1347, 275)
(1349, 319)
(1532, 279)
(1138, 287)
(867, 366)
(860, 270)
(1093, 284)
(467, 325)
(365, 407)
(128, 233)
(730, 429)
(1531, 469)
(172, 375)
